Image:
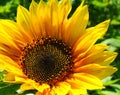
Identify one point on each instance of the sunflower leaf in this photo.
(109, 93)
(112, 41)
(8, 88)
(108, 81)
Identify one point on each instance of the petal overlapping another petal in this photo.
(96, 70)
(75, 25)
(85, 42)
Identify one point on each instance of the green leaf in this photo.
(113, 43)
(108, 81)
(8, 88)
(99, 3)
(115, 22)
(109, 93)
(116, 86)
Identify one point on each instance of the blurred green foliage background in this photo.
(99, 11)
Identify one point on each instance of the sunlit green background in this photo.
(99, 10)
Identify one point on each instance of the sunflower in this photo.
(56, 55)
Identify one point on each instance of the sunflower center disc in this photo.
(48, 61)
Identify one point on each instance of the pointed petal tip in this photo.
(107, 21)
(82, 3)
(115, 54)
(20, 7)
(115, 69)
(32, 1)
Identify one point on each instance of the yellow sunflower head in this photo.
(47, 51)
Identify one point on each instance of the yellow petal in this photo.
(41, 15)
(24, 22)
(102, 58)
(2, 67)
(4, 60)
(10, 65)
(41, 87)
(76, 87)
(62, 88)
(35, 85)
(87, 81)
(23, 80)
(45, 92)
(80, 91)
(64, 8)
(8, 32)
(101, 28)
(26, 81)
(34, 17)
(11, 34)
(10, 77)
(97, 48)
(51, 18)
(76, 25)
(25, 86)
(96, 56)
(33, 7)
(39, 93)
(10, 51)
(89, 38)
(96, 70)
